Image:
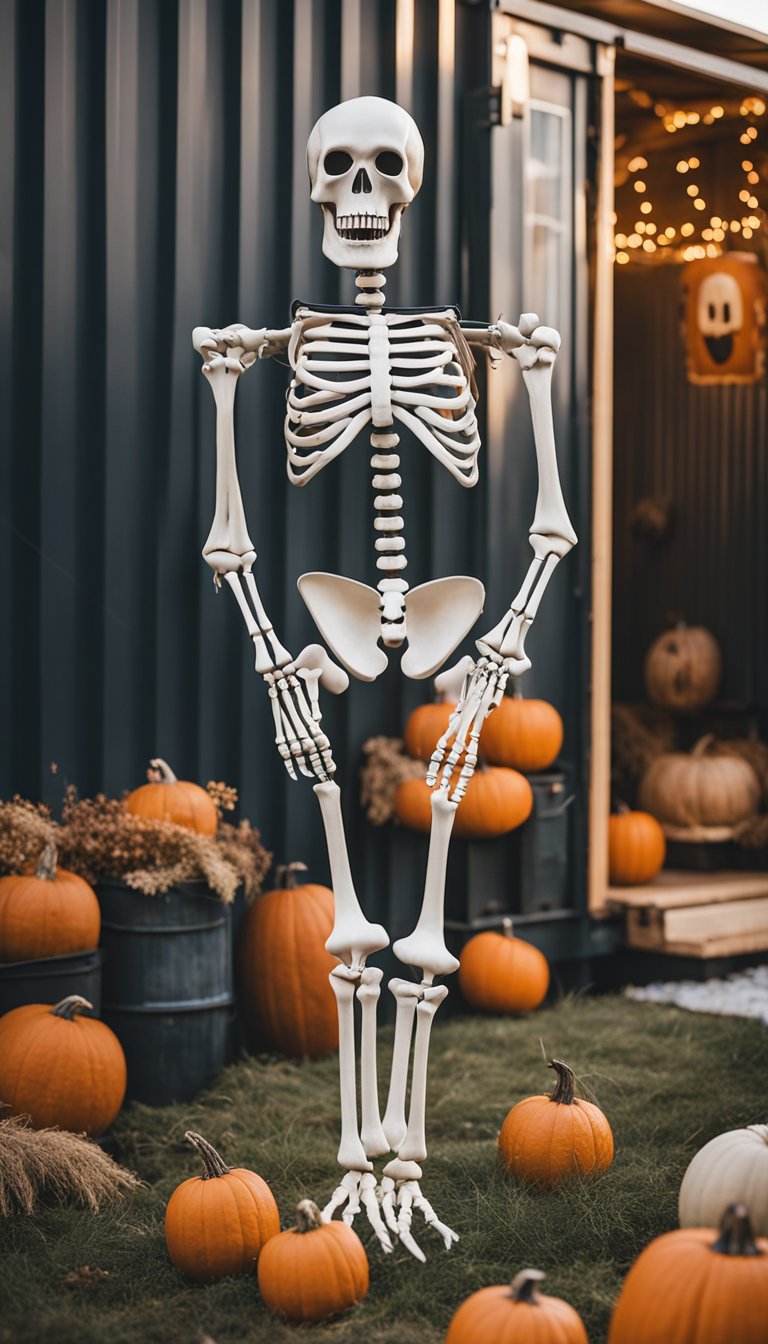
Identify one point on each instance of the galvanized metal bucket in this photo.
(167, 987)
(51, 979)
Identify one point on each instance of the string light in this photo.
(692, 189)
(637, 163)
(622, 258)
(699, 204)
(687, 229)
(682, 166)
(639, 185)
(645, 207)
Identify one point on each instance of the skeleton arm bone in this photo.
(502, 649)
(229, 551)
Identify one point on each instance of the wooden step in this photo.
(718, 930)
(674, 888)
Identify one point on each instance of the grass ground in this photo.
(668, 1081)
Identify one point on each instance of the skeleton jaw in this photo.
(360, 240)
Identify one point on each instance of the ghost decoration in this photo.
(724, 319)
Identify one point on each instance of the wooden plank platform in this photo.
(674, 887)
(697, 914)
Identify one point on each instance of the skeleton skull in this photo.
(719, 313)
(365, 159)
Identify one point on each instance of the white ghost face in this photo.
(365, 160)
(719, 313)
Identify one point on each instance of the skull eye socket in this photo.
(336, 162)
(389, 163)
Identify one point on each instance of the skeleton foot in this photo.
(398, 1200)
(358, 1188)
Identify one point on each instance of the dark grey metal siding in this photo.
(706, 449)
(153, 178)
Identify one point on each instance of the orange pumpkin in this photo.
(547, 1140)
(217, 1224)
(496, 801)
(524, 734)
(424, 728)
(502, 974)
(48, 913)
(516, 1312)
(695, 1287)
(683, 668)
(60, 1068)
(636, 848)
(314, 1270)
(282, 945)
(166, 798)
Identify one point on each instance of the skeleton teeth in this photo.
(362, 228)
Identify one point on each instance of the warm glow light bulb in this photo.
(744, 196)
(682, 166)
(693, 162)
(645, 207)
(649, 245)
(622, 258)
(754, 178)
(670, 232)
(687, 229)
(637, 163)
(692, 189)
(620, 240)
(699, 204)
(634, 240)
(747, 165)
(639, 185)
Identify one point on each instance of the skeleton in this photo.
(353, 368)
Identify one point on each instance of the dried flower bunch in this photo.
(386, 766)
(100, 839)
(38, 1165)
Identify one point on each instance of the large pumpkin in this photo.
(547, 1140)
(636, 848)
(314, 1270)
(217, 1224)
(61, 1068)
(496, 801)
(502, 974)
(694, 1286)
(524, 734)
(287, 1001)
(424, 728)
(699, 788)
(48, 913)
(166, 798)
(731, 1167)
(683, 668)
(516, 1312)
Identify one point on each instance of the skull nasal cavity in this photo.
(362, 182)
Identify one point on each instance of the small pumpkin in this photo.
(524, 734)
(700, 788)
(218, 1223)
(61, 1068)
(502, 974)
(496, 801)
(166, 798)
(516, 1311)
(547, 1146)
(314, 1270)
(48, 913)
(683, 668)
(733, 1166)
(694, 1286)
(425, 726)
(636, 848)
(282, 945)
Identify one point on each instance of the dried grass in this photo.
(25, 829)
(386, 766)
(40, 1166)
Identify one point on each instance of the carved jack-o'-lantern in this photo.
(724, 319)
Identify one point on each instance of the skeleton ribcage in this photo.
(354, 369)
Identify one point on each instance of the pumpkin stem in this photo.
(736, 1235)
(214, 1165)
(308, 1216)
(524, 1286)
(506, 926)
(46, 864)
(74, 1003)
(160, 772)
(285, 875)
(564, 1091)
(703, 745)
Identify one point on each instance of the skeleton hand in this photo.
(294, 696)
(481, 691)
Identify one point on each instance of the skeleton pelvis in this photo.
(349, 617)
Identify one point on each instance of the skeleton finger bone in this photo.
(368, 1196)
(420, 1202)
(404, 1217)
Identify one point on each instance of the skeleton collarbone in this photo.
(353, 368)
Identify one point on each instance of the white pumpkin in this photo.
(731, 1169)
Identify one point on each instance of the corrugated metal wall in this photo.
(153, 178)
(706, 449)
